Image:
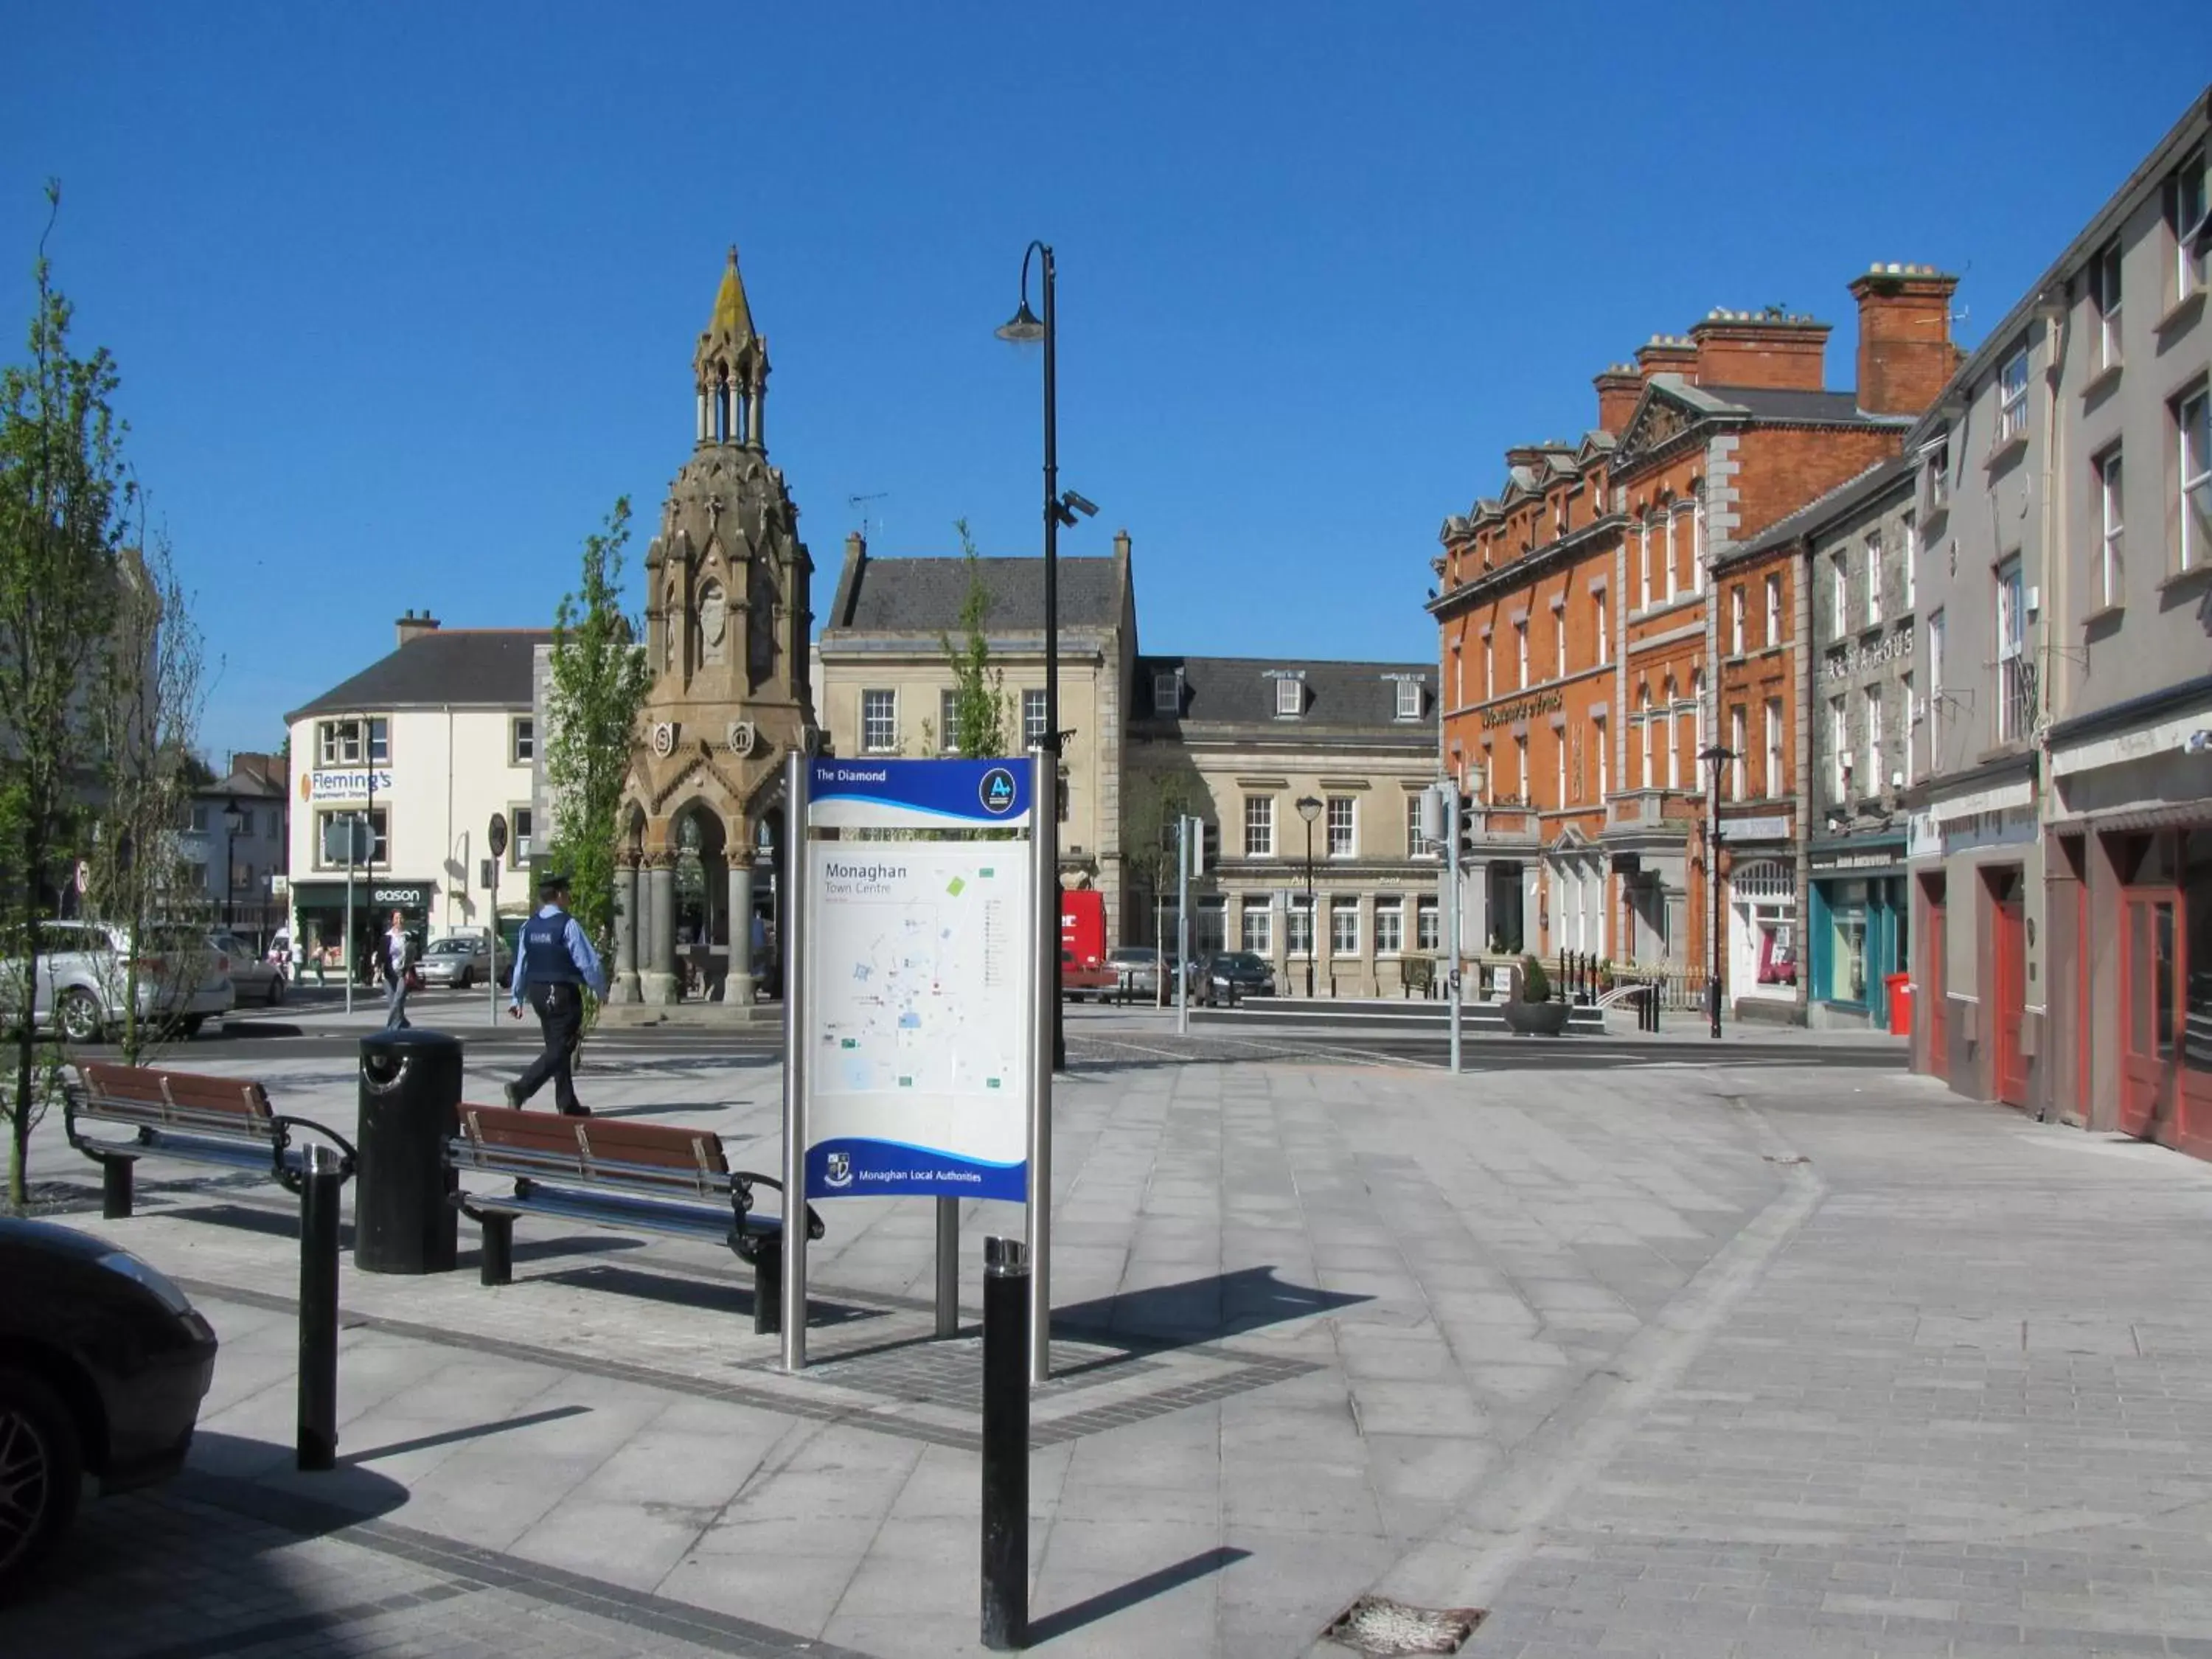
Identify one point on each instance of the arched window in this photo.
(1673, 749)
(1643, 780)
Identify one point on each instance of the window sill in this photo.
(2181, 581)
(2182, 314)
(2102, 381)
(2005, 451)
(2106, 616)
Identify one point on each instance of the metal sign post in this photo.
(795, 1059)
(495, 838)
(1182, 926)
(1044, 876)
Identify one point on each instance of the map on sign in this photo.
(920, 980)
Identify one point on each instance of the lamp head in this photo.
(1309, 808)
(1022, 328)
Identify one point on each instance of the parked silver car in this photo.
(253, 978)
(461, 959)
(85, 967)
(1139, 966)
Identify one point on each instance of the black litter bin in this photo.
(410, 1098)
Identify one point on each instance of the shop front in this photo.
(1859, 931)
(2134, 797)
(319, 921)
(1765, 952)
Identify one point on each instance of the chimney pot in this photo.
(412, 627)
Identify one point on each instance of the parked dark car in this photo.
(103, 1364)
(1227, 974)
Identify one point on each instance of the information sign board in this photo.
(921, 981)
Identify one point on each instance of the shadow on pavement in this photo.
(730, 1296)
(1199, 1309)
(200, 1566)
(1109, 1602)
(453, 1437)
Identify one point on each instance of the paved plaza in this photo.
(1674, 1358)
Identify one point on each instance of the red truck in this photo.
(1084, 971)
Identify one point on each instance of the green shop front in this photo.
(319, 914)
(1858, 929)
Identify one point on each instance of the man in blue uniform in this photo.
(553, 962)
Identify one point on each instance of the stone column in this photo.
(757, 438)
(622, 988)
(656, 972)
(737, 988)
(702, 416)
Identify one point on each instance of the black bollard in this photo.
(318, 1309)
(1006, 1444)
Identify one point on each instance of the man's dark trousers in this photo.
(561, 1016)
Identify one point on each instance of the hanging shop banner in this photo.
(921, 969)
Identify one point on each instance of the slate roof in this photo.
(1241, 690)
(1793, 403)
(924, 595)
(1824, 510)
(467, 668)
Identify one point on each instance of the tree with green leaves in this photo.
(599, 681)
(65, 501)
(982, 713)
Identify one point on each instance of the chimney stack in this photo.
(1906, 354)
(1766, 349)
(1668, 354)
(1619, 390)
(1122, 545)
(412, 627)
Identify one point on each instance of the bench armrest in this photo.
(742, 1181)
(281, 1129)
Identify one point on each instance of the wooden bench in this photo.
(614, 1173)
(183, 1115)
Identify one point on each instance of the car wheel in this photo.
(190, 1023)
(81, 1019)
(41, 1464)
(276, 990)
(468, 978)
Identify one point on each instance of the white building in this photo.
(427, 745)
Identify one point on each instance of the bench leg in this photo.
(768, 1288)
(498, 1267)
(115, 1188)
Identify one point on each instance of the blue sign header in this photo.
(941, 794)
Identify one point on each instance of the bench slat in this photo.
(649, 1155)
(197, 1093)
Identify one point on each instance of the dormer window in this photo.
(1164, 700)
(1290, 696)
(1409, 699)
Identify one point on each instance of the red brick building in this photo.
(1579, 646)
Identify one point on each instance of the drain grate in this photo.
(1376, 1624)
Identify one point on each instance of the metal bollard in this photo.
(1005, 1445)
(318, 1309)
(116, 1176)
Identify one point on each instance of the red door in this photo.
(2007, 991)
(1934, 1008)
(2150, 980)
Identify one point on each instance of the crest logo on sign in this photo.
(839, 1170)
(997, 790)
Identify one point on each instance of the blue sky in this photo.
(404, 296)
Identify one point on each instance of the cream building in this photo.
(1307, 776)
(427, 743)
(882, 684)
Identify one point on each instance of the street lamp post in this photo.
(1714, 758)
(1023, 328)
(234, 820)
(1310, 809)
